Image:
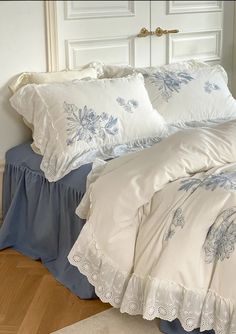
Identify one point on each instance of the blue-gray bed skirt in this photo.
(40, 220)
(39, 216)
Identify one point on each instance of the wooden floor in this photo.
(33, 302)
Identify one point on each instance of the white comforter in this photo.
(161, 230)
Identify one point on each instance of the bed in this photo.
(26, 191)
(77, 123)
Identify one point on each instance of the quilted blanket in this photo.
(161, 230)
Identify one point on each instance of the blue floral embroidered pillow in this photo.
(74, 118)
(189, 91)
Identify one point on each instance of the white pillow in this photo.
(73, 118)
(189, 91)
(91, 70)
(116, 71)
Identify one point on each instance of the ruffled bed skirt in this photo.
(40, 222)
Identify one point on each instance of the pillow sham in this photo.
(72, 118)
(116, 71)
(91, 70)
(189, 91)
(50, 77)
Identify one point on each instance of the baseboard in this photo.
(2, 165)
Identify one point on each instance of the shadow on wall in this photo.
(12, 128)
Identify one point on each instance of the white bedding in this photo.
(160, 233)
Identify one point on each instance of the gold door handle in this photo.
(159, 32)
(144, 33)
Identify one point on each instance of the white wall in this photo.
(234, 57)
(22, 45)
(22, 48)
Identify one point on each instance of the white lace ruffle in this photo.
(152, 297)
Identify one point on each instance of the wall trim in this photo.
(2, 166)
(51, 35)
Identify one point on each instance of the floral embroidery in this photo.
(177, 221)
(84, 124)
(221, 237)
(190, 184)
(226, 181)
(169, 82)
(128, 106)
(209, 87)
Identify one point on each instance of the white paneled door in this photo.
(200, 30)
(205, 32)
(102, 30)
(84, 31)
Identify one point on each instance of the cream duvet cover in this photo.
(160, 235)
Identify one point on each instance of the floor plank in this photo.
(33, 302)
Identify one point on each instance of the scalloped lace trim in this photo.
(151, 297)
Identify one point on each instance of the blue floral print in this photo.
(169, 82)
(177, 221)
(221, 237)
(209, 87)
(84, 124)
(190, 184)
(128, 106)
(222, 180)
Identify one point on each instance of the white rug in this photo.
(112, 322)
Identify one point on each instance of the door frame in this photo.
(50, 9)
